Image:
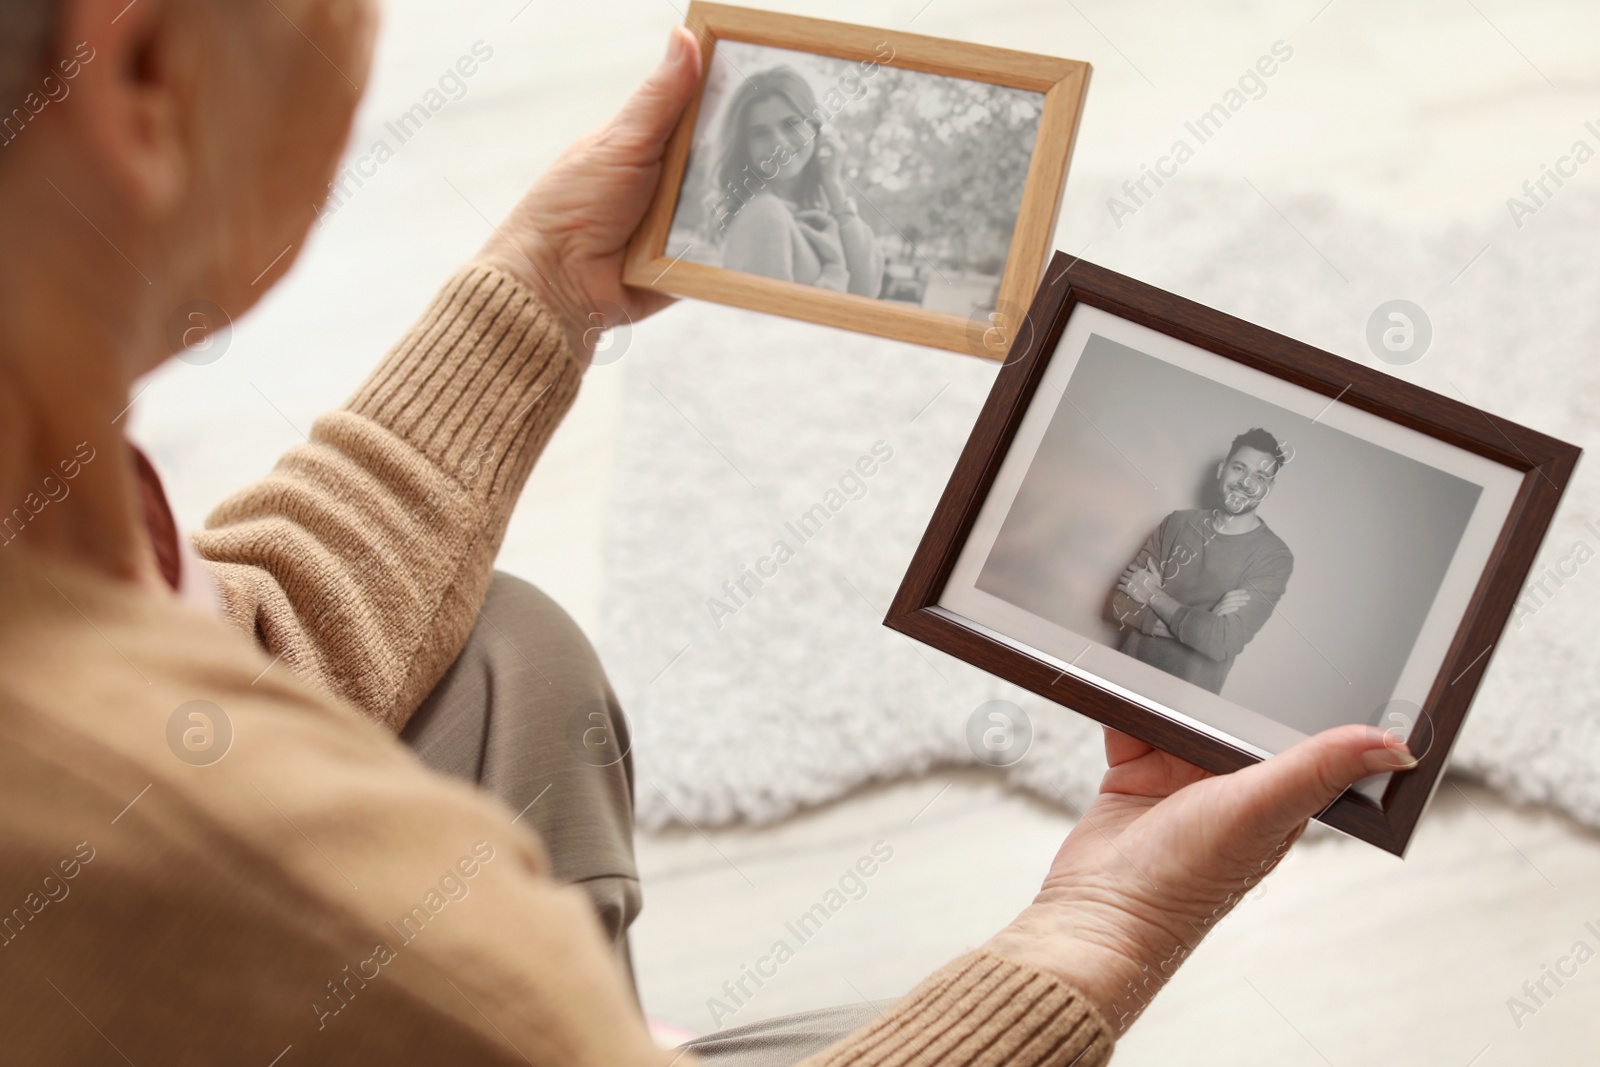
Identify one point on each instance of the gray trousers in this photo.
(527, 712)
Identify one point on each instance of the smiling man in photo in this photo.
(1205, 582)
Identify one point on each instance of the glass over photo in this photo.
(1224, 545)
(855, 176)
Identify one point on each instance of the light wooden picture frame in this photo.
(916, 301)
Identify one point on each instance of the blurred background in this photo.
(1378, 162)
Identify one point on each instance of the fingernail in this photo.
(1393, 756)
(675, 45)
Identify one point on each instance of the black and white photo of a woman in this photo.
(780, 207)
(852, 176)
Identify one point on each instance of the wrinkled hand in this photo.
(1166, 851)
(1231, 602)
(1140, 582)
(567, 236)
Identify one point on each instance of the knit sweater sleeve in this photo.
(1126, 611)
(363, 558)
(1220, 636)
(980, 1010)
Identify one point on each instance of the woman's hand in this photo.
(821, 231)
(863, 261)
(567, 236)
(830, 158)
(1167, 850)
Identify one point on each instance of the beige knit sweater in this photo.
(315, 895)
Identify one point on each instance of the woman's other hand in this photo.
(1167, 850)
(830, 158)
(863, 261)
(821, 231)
(567, 236)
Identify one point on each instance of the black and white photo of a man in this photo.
(1207, 580)
(1139, 530)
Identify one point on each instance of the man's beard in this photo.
(1235, 501)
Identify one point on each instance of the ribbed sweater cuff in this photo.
(981, 1011)
(479, 383)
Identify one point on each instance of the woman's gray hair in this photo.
(26, 33)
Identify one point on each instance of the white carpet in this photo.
(735, 422)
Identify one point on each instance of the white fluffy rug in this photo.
(735, 423)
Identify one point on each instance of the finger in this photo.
(1120, 748)
(1276, 795)
(649, 115)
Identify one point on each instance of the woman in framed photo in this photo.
(803, 126)
(778, 202)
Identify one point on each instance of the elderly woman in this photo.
(210, 858)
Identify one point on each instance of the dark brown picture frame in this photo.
(1546, 464)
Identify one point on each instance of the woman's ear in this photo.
(134, 98)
